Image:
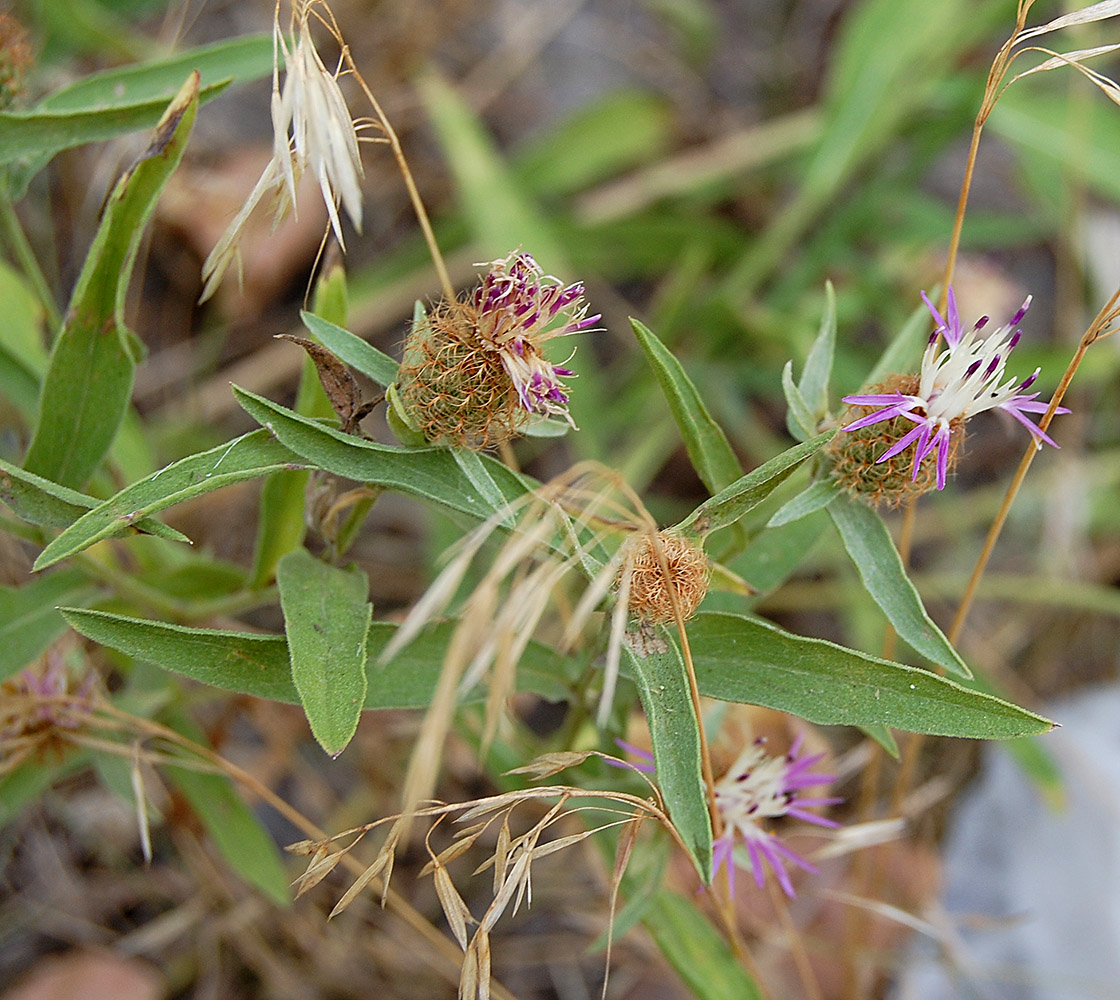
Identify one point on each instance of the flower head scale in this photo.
(474, 372)
(757, 788)
(958, 380)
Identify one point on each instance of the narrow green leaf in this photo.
(472, 466)
(244, 58)
(238, 834)
(326, 618)
(248, 457)
(711, 455)
(259, 665)
(799, 418)
(746, 660)
(816, 496)
(868, 542)
(429, 473)
(815, 379)
(88, 384)
(674, 733)
(29, 618)
(350, 348)
(697, 951)
(748, 492)
(772, 555)
(885, 738)
(39, 501)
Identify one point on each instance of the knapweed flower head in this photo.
(754, 792)
(312, 132)
(668, 576)
(474, 372)
(963, 376)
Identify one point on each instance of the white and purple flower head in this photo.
(519, 308)
(759, 787)
(963, 377)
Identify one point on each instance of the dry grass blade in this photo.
(859, 836)
(1094, 12)
(453, 906)
(1075, 60)
(141, 800)
(626, 841)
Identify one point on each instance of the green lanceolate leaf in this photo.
(868, 542)
(674, 733)
(247, 457)
(727, 506)
(259, 665)
(238, 834)
(358, 354)
(814, 382)
(745, 660)
(29, 618)
(39, 501)
(429, 473)
(712, 457)
(88, 384)
(799, 418)
(281, 526)
(699, 953)
(816, 496)
(326, 618)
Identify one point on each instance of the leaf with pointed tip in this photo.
(711, 455)
(357, 353)
(868, 542)
(39, 501)
(743, 495)
(815, 378)
(746, 660)
(88, 384)
(429, 473)
(326, 619)
(247, 457)
(799, 418)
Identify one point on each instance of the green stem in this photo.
(29, 264)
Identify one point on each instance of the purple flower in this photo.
(758, 788)
(519, 308)
(963, 377)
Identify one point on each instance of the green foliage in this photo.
(326, 620)
(88, 384)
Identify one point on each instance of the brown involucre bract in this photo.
(856, 455)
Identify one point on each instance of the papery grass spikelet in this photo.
(474, 373)
(668, 576)
(858, 467)
(313, 132)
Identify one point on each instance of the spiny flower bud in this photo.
(651, 594)
(474, 373)
(858, 464)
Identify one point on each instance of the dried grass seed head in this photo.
(312, 131)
